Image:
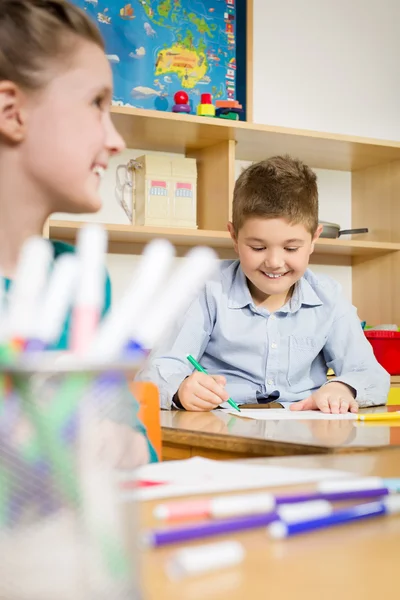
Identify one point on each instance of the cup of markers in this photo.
(60, 526)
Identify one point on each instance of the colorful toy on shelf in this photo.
(181, 103)
(164, 191)
(206, 107)
(228, 109)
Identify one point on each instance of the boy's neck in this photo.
(271, 303)
(22, 215)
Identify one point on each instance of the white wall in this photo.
(332, 67)
(328, 65)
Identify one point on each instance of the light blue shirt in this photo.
(260, 353)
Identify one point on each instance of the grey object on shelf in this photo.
(332, 230)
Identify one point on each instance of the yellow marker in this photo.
(387, 416)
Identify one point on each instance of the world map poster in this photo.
(157, 47)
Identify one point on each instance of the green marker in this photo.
(200, 368)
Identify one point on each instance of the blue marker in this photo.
(387, 506)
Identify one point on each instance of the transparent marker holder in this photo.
(61, 530)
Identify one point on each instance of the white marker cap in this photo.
(303, 511)
(27, 287)
(350, 485)
(2, 307)
(57, 299)
(152, 272)
(244, 504)
(183, 286)
(201, 559)
(91, 249)
(392, 503)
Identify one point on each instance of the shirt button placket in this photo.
(273, 354)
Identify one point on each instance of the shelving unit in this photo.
(131, 235)
(216, 144)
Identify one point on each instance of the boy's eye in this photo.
(291, 249)
(257, 249)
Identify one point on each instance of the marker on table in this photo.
(387, 506)
(386, 416)
(223, 526)
(205, 558)
(201, 370)
(247, 504)
(359, 484)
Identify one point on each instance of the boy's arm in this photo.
(168, 366)
(348, 352)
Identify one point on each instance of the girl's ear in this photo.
(12, 113)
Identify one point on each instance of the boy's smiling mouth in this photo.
(274, 275)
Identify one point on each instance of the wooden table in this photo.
(352, 562)
(219, 435)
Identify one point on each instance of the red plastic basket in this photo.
(386, 347)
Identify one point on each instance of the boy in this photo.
(265, 324)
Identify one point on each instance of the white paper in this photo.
(277, 414)
(201, 475)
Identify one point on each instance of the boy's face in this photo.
(273, 254)
(69, 133)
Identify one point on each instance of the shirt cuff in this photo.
(176, 402)
(370, 395)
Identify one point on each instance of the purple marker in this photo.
(196, 531)
(204, 530)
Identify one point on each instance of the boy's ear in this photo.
(316, 236)
(233, 235)
(12, 113)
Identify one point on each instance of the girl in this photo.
(56, 137)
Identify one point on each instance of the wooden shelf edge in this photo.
(66, 230)
(249, 126)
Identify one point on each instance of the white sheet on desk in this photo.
(276, 414)
(201, 475)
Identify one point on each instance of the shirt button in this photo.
(270, 382)
(272, 317)
(273, 345)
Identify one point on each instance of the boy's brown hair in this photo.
(280, 187)
(34, 33)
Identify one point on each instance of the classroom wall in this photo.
(328, 66)
(332, 67)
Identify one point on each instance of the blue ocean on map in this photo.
(157, 47)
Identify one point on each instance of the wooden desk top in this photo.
(352, 562)
(233, 436)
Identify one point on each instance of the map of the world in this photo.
(157, 47)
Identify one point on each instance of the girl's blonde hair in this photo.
(33, 33)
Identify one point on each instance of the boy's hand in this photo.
(332, 398)
(202, 392)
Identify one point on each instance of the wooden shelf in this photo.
(127, 234)
(170, 132)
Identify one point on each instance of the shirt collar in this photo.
(303, 295)
(239, 295)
